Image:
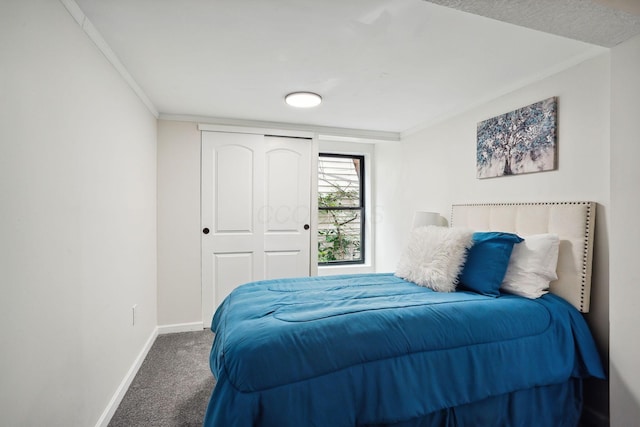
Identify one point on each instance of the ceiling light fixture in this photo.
(303, 99)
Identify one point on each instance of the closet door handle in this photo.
(205, 230)
(306, 226)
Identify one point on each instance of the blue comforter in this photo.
(366, 349)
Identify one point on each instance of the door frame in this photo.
(207, 306)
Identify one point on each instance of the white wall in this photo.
(179, 240)
(77, 221)
(625, 235)
(434, 168)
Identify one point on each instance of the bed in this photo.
(380, 350)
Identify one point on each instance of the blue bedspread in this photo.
(367, 349)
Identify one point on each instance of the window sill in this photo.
(332, 270)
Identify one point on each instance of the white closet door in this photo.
(256, 195)
(287, 215)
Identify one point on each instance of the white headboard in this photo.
(573, 221)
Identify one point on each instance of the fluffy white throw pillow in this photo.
(434, 257)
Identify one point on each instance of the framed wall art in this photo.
(520, 141)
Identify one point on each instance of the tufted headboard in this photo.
(573, 222)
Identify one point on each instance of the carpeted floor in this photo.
(174, 383)
(173, 386)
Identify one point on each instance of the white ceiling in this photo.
(381, 65)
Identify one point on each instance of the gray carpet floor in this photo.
(172, 386)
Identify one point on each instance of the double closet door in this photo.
(256, 207)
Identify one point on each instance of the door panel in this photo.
(288, 203)
(282, 264)
(234, 203)
(282, 167)
(256, 196)
(232, 175)
(231, 269)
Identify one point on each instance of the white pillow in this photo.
(532, 266)
(434, 257)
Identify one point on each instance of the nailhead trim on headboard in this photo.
(585, 254)
(588, 226)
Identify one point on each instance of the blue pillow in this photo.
(487, 262)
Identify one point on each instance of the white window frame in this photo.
(359, 149)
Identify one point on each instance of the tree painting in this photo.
(520, 141)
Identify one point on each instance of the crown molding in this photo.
(97, 39)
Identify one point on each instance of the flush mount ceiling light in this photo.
(303, 99)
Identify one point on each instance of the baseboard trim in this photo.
(180, 327)
(106, 416)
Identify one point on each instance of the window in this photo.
(340, 209)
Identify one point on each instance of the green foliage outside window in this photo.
(339, 231)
